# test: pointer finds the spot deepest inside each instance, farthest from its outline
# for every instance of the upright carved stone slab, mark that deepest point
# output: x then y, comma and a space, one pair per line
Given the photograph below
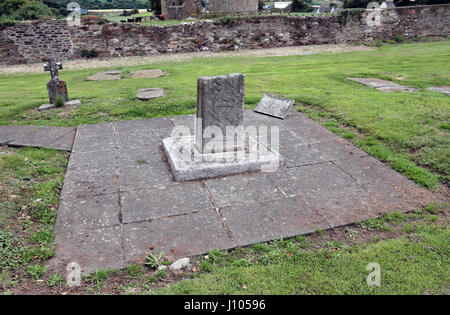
220, 105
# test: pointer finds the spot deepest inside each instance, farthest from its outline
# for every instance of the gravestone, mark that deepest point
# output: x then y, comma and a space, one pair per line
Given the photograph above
218, 147
220, 105
148, 94
55, 86
274, 106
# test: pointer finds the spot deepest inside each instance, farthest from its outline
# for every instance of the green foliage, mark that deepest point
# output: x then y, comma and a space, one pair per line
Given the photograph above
354, 14
25, 10
155, 6
55, 280
154, 260
9, 251
300, 6
37, 271
59, 100
89, 53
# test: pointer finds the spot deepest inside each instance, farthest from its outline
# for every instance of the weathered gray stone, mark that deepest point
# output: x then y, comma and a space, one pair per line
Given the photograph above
148, 94
187, 163
106, 76
176, 237
43, 137
311, 179
164, 201
103, 212
180, 264
46, 106
338, 149
274, 106
271, 220
50, 106
441, 89
72, 103
245, 189
383, 85
131, 189
147, 74
220, 105
56, 87
10, 133
92, 250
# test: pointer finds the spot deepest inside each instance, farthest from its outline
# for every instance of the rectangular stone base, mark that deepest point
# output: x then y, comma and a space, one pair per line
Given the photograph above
187, 163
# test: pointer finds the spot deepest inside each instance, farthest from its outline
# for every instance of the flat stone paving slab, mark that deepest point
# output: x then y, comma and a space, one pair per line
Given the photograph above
147, 74
60, 138
10, 133
441, 89
148, 94
383, 85
106, 76
119, 200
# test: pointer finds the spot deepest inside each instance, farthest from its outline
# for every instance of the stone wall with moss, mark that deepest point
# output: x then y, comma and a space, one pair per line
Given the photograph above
34, 42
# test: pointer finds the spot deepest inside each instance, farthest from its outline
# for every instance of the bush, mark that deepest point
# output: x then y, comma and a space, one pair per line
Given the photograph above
88, 54
59, 101
300, 6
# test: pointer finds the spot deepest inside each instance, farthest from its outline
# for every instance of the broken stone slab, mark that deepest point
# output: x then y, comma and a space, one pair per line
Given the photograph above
440, 89
180, 264
274, 106
106, 76
68, 103
383, 85
147, 74
148, 94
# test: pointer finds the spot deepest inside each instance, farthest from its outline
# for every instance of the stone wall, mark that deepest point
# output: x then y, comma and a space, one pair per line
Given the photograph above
220, 6
179, 9
33, 42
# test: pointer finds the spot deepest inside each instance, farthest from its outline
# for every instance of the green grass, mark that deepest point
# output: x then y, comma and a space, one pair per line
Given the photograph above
30, 182
412, 264
409, 128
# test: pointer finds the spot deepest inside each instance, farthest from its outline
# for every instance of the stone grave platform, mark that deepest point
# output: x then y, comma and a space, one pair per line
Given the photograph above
119, 200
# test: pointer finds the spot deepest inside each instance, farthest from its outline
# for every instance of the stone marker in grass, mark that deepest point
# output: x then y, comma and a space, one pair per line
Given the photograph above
220, 146
55, 86
148, 94
57, 89
274, 106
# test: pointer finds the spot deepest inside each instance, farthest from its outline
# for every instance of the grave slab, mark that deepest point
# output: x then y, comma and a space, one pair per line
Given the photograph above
441, 89
72, 215
176, 237
44, 137
92, 250
274, 106
164, 201
147, 74
106, 76
152, 212
148, 94
261, 222
235, 190
383, 85
10, 133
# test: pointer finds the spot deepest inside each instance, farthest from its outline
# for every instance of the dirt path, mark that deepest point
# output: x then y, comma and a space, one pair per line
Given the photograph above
135, 60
